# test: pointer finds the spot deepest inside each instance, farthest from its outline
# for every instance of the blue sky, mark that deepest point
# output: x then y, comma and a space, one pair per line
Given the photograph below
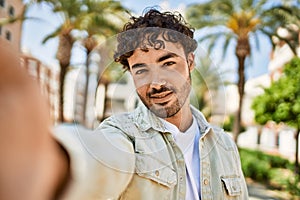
34, 31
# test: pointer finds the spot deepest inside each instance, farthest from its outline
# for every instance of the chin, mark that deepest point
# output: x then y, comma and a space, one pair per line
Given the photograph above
164, 111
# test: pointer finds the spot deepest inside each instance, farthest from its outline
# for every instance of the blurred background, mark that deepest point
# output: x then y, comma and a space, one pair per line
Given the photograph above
247, 77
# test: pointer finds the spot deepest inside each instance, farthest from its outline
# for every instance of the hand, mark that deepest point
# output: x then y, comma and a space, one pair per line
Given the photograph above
31, 161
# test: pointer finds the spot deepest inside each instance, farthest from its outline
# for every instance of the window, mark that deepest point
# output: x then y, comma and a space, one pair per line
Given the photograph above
8, 35
11, 11
2, 3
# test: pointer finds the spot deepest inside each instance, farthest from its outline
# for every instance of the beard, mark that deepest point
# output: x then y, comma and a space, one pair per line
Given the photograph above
168, 109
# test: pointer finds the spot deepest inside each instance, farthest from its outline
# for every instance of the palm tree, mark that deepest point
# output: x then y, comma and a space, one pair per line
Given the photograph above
97, 19
239, 21
292, 25
101, 19
68, 10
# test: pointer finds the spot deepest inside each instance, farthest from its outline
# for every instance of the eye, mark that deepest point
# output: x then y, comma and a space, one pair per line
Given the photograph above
141, 71
169, 63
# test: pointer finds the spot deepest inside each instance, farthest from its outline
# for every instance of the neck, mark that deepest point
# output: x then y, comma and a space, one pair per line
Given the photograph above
183, 119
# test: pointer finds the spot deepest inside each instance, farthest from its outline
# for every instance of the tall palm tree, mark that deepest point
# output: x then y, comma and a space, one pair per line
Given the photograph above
239, 21
68, 11
101, 19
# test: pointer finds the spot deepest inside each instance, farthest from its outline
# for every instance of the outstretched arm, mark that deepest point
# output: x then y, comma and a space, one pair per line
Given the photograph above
71, 162
33, 166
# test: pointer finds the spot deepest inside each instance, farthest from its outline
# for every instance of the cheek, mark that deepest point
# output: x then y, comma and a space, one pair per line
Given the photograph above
142, 89
178, 77
141, 83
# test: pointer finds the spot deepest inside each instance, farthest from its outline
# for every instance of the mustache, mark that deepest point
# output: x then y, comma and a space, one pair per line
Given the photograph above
163, 88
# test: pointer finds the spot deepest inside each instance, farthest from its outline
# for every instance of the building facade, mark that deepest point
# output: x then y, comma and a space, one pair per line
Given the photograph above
11, 32
47, 79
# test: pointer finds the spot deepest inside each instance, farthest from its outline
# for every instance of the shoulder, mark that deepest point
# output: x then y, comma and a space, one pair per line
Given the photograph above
120, 124
224, 138
216, 133
118, 121
138, 118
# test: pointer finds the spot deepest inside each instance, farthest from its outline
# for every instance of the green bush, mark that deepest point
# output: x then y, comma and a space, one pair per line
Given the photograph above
255, 165
278, 162
286, 180
272, 170
293, 185
273, 160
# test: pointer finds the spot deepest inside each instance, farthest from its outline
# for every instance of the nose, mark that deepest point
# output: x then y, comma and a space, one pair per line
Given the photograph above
157, 81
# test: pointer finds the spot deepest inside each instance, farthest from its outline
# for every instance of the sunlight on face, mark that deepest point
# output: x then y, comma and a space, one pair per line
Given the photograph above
162, 78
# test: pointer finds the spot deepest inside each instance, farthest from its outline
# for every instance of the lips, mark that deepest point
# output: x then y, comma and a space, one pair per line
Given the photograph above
162, 97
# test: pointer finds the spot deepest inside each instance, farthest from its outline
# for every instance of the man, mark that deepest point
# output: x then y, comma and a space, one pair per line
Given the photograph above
178, 154
164, 149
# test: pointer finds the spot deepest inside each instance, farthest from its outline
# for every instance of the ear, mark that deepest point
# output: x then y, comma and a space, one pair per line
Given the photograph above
191, 61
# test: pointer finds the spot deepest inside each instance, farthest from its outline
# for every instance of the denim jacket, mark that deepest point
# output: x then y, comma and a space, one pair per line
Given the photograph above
131, 156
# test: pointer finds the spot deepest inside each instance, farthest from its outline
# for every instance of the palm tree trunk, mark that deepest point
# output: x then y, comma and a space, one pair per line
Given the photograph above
63, 71
242, 51
90, 44
63, 55
241, 84
86, 87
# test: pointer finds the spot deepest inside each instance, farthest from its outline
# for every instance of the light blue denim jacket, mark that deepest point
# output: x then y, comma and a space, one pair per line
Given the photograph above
159, 168
131, 156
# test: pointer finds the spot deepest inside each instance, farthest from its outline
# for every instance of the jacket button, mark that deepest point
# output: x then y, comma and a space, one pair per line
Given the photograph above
205, 181
181, 178
156, 173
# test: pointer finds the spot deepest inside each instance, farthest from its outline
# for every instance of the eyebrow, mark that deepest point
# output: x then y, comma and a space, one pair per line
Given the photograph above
138, 65
166, 56
162, 58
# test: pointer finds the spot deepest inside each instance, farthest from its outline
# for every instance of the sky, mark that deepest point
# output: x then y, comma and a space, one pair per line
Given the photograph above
35, 30
44, 22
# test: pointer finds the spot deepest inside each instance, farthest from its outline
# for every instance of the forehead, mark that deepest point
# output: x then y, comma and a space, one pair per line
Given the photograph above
150, 54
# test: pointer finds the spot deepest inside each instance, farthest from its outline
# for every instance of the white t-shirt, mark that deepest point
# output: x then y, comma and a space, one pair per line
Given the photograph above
188, 142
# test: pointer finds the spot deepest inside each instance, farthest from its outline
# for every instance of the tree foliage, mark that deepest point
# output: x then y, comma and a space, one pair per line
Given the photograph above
97, 19
238, 22
281, 101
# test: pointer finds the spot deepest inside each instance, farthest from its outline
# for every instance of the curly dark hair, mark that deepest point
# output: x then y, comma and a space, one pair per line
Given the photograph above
145, 31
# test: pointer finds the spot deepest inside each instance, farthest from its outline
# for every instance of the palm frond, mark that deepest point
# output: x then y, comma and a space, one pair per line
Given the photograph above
52, 35
208, 14
256, 40
228, 38
213, 38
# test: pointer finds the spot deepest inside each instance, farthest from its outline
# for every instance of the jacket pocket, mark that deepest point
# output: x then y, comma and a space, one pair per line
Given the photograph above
151, 168
232, 185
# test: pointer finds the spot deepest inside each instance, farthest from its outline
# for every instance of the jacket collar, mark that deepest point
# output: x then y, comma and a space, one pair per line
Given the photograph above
204, 126
145, 119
